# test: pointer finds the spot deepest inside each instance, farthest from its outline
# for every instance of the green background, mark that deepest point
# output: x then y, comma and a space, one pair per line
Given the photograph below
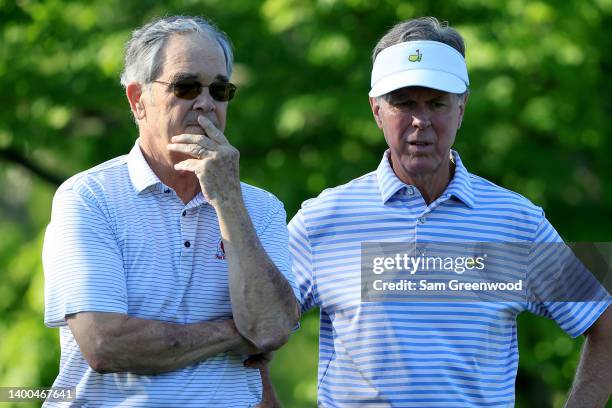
537, 122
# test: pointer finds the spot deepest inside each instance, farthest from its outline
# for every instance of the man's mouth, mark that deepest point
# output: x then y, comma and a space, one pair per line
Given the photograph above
418, 143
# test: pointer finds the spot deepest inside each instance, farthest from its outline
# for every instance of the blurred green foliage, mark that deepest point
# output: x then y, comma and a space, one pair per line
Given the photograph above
537, 122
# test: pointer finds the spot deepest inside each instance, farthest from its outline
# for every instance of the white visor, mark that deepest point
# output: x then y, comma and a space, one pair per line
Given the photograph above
430, 64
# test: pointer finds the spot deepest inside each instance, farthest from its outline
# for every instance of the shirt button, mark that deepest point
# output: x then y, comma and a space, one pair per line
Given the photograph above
167, 191
421, 220
410, 190
184, 213
187, 244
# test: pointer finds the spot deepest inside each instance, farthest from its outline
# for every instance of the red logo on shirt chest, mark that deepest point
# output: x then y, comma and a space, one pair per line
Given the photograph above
220, 250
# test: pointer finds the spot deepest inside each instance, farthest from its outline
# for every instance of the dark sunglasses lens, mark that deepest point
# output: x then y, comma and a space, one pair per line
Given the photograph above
187, 90
222, 91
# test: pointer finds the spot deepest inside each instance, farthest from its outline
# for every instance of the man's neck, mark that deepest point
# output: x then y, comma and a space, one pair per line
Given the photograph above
184, 183
431, 185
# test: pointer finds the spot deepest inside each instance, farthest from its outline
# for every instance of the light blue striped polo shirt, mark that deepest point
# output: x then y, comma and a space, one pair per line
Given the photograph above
121, 241
416, 354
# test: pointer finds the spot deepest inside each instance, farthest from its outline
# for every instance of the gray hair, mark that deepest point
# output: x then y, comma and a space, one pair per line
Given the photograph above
142, 52
423, 28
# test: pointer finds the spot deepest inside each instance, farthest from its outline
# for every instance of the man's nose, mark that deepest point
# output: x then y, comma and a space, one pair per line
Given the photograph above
421, 119
204, 101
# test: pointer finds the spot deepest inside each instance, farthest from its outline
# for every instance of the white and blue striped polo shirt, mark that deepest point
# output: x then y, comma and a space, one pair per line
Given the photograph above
121, 241
415, 354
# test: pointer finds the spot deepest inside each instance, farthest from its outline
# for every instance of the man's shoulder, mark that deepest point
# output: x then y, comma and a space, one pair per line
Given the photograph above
488, 194
359, 189
96, 180
253, 193
260, 203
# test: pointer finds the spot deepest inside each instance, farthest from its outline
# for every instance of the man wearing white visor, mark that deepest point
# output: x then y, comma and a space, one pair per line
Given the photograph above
424, 353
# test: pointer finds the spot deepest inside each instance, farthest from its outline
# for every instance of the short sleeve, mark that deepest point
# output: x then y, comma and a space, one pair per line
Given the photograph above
82, 262
559, 286
274, 240
301, 254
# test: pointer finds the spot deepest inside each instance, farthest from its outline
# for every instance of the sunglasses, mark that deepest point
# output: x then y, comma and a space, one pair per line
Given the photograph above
189, 89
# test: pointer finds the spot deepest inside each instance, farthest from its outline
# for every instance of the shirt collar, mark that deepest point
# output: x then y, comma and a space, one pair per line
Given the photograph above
459, 187
140, 172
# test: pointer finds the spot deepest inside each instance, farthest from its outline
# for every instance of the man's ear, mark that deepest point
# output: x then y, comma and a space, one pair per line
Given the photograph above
135, 97
376, 111
462, 103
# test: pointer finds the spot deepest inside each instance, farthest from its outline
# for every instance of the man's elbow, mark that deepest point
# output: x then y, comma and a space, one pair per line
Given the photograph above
98, 337
285, 327
99, 365
99, 356
270, 341
273, 336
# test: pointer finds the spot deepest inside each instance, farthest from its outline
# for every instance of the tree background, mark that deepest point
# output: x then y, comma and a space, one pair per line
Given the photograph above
537, 122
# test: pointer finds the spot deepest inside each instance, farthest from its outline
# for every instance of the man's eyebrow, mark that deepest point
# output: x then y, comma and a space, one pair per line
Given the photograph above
398, 97
181, 76
445, 95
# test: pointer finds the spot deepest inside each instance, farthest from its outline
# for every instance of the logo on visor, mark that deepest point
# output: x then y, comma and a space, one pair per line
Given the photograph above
415, 57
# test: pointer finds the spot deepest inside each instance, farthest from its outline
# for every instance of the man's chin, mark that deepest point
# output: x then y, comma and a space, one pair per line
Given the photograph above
419, 165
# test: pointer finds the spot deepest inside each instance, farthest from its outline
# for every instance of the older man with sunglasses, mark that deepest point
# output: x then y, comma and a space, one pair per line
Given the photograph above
170, 280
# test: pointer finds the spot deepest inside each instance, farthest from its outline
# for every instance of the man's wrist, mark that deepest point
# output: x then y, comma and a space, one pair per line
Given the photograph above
231, 205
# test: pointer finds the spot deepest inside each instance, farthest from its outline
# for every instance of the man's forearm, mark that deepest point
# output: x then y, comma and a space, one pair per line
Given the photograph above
113, 342
593, 381
269, 398
263, 304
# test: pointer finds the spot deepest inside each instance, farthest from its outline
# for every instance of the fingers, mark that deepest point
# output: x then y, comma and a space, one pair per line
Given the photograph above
254, 363
187, 165
201, 140
267, 356
258, 360
195, 150
210, 129
210, 139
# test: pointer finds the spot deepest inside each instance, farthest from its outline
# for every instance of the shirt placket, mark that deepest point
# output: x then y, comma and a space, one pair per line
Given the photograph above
418, 210
423, 219
189, 221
